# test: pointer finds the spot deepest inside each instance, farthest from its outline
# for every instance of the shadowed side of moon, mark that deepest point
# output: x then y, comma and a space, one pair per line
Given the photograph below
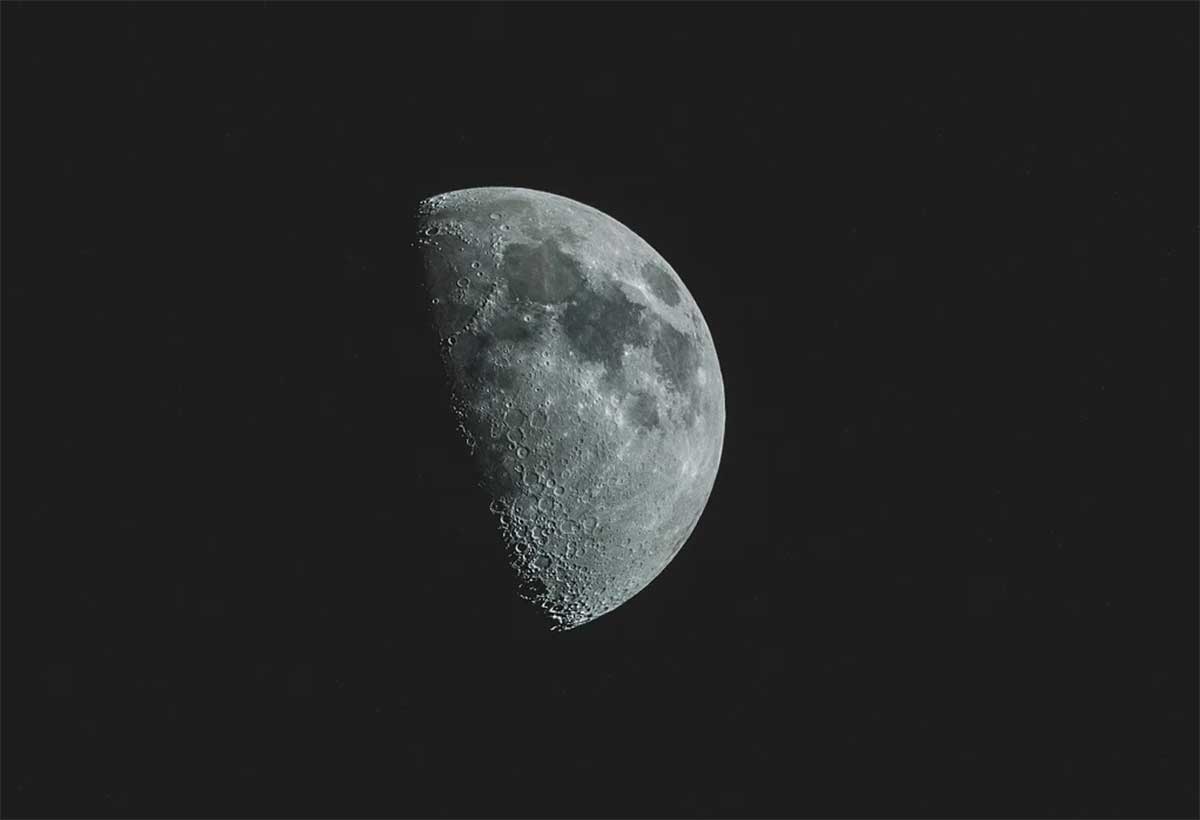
586, 383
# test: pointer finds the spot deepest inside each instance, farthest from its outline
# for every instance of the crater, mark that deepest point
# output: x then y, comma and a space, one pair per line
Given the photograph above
481, 368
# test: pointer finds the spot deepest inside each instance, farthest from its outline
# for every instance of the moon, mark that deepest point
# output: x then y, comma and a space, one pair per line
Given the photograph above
585, 383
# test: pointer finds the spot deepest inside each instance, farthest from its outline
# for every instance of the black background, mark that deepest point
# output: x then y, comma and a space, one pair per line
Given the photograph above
948, 254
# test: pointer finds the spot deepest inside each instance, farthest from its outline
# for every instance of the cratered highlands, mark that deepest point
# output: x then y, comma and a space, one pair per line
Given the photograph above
586, 384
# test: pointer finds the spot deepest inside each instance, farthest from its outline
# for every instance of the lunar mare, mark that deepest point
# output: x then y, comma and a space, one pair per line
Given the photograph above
586, 384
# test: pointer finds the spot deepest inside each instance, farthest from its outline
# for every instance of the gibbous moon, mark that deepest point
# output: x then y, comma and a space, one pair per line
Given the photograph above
586, 384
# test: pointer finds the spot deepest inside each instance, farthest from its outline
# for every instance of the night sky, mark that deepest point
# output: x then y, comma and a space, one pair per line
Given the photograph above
948, 256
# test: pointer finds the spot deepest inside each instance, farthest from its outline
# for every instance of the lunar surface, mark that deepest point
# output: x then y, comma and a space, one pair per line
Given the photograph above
586, 385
